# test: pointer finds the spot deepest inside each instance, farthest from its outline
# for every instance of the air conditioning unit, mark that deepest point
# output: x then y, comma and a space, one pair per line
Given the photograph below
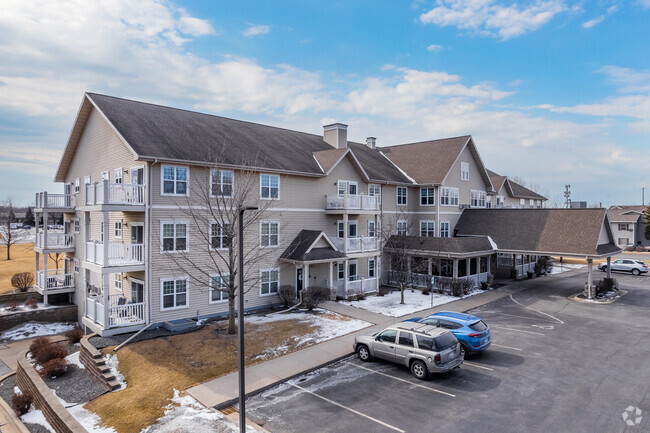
464, 206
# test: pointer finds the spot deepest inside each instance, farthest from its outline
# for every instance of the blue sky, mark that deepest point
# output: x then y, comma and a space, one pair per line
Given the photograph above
555, 92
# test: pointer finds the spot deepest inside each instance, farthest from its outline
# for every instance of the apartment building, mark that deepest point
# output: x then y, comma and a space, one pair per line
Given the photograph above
143, 243
628, 225
510, 194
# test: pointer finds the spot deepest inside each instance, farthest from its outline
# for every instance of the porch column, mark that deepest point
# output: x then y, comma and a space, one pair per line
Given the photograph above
45, 218
45, 259
345, 233
429, 262
609, 267
455, 272
106, 238
468, 267
331, 280
489, 260
590, 278
38, 257
305, 277
107, 308
346, 273
478, 266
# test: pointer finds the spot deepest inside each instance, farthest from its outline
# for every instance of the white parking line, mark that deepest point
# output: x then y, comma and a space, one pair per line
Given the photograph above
348, 409
405, 381
537, 311
471, 364
518, 330
521, 317
506, 347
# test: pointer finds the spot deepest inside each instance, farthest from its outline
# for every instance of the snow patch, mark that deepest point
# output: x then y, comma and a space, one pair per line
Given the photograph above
74, 359
89, 420
35, 416
414, 301
112, 363
30, 330
558, 269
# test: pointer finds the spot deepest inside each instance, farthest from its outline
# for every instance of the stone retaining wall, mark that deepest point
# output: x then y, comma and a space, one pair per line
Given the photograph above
20, 297
95, 365
67, 313
28, 380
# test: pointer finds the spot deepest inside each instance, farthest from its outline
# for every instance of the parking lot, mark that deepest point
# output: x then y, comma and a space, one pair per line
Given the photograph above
554, 366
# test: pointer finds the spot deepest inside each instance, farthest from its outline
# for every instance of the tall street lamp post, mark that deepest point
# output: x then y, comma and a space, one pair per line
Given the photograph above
240, 318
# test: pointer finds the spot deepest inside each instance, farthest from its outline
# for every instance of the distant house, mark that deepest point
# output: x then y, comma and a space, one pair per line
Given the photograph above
510, 194
628, 225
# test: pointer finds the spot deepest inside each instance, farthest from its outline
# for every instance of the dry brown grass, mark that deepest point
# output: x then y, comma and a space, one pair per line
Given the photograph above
154, 368
22, 260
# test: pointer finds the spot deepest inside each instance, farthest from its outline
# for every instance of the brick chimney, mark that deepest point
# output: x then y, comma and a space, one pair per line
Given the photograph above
371, 142
336, 135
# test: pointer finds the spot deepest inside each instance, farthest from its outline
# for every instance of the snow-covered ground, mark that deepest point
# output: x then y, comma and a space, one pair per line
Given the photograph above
557, 269
329, 325
112, 363
23, 307
389, 304
29, 330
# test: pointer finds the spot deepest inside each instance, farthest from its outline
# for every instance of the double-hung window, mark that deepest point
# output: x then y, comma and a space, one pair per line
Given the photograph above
221, 183
76, 185
402, 228
101, 231
269, 234
174, 236
371, 268
269, 281
427, 196
464, 171
340, 271
117, 174
269, 186
448, 196
118, 229
118, 281
428, 228
372, 232
219, 288
174, 180
340, 229
174, 293
75, 264
444, 229
347, 187
76, 225
477, 198
219, 235
374, 190
402, 195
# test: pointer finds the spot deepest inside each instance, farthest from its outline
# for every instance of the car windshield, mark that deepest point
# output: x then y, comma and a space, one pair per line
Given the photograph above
445, 341
478, 326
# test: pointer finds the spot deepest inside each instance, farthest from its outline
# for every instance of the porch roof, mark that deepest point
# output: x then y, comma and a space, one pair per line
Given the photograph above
303, 248
443, 247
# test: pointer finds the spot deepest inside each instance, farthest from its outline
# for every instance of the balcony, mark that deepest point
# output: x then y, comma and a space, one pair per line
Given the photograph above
356, 245
356, 287
53, 201
106, 193
350, 202
54, 281
55, 241
118, 254
118, 313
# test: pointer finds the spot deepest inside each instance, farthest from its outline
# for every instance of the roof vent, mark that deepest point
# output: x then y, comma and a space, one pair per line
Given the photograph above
336, 135
371, 142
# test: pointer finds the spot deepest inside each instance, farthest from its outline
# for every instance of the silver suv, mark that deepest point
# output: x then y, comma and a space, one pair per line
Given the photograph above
626, 265
423, 348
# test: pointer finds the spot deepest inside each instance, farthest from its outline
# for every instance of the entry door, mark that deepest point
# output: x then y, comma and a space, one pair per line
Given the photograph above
137, 234
352, 271
137, 291
137, 175
299, 279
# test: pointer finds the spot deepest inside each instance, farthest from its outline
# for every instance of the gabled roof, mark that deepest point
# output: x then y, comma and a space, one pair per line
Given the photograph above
329, 158
497, 180
625, 214
446, 246
429, 162
302, 248
570, 232
376, 166
513, 188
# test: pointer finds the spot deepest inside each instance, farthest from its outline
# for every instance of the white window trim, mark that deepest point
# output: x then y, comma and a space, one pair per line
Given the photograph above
464, 169
162, 181
221, 223
377, 196
434, 196
115, 223
187, 236
118, 173
210, 301
232, 186
338, 272
356, 224
260, 286
397, 196
279, 189
76, 224
448, 229
356, 265
375, 229
269, 222
101, 232
347, 186
118, 280
428, 222
75, 265
77, 186
187, 293
338, 229
374, 267
106, 176
86, 180
397, 227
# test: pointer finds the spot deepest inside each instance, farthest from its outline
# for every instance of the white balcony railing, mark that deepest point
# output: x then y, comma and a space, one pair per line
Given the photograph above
351, 202
361, 285
437, 282
356, 245
54, 240
54, 279
118, 254
53, 201
119, 311
114, 193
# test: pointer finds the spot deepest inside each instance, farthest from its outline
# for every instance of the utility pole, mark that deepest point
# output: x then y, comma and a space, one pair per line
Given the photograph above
643, 195
567, 195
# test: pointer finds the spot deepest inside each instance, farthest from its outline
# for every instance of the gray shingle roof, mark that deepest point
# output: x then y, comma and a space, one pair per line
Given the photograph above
497, 180
298, 249
519, 191
625, 214
377, 167
459, 245
560, 231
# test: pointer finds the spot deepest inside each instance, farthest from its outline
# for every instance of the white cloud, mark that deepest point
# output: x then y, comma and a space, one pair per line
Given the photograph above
612, 9
487, 18
645, 3
589, 24
256, 30
435, 48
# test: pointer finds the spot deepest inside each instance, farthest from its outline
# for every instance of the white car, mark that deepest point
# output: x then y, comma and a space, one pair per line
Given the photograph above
636, 267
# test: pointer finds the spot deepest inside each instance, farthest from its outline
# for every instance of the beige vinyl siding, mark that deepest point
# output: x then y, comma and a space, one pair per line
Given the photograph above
476, 180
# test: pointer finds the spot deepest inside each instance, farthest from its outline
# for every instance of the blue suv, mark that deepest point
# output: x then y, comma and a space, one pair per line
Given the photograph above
472, 333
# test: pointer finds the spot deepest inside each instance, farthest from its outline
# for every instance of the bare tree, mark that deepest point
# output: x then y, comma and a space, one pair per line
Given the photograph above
395, 231
212, 208
9, 235
56, 258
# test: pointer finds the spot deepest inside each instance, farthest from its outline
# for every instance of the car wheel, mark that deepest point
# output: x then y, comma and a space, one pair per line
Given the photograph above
464, 351
364, 353
635, 272
419, 369
604, 269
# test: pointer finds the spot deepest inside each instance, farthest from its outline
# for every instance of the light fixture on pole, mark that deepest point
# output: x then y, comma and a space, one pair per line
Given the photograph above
240, 319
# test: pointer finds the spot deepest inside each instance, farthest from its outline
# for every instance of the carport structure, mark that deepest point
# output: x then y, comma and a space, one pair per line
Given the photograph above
580, 233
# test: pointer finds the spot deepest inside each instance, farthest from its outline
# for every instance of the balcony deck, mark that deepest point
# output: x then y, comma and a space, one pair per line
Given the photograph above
118, 254
356, 245
116, 315
54, 281
350, 203
123, 195
56, 241
53, 202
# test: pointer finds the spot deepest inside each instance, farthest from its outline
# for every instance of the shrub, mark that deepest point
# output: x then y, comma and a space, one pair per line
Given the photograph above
313, 296
426, 291
287, 293
22, 281
54, 367
31, 302
605, 285
21, 402
50, 352
74, 335
38, 345
361, 296
460, 287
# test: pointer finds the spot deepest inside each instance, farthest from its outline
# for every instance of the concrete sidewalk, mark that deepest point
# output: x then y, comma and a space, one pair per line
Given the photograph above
224, 391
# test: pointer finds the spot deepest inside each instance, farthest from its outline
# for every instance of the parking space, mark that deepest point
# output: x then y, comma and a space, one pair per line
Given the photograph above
554, 365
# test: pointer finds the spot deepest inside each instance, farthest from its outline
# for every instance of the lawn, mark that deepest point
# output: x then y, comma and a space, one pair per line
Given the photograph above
154, 368
22, 260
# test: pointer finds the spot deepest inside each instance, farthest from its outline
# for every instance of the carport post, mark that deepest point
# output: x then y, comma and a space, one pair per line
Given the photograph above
609, 267
590, 278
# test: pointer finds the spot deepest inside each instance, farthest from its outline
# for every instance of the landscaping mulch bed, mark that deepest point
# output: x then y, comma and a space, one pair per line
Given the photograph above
6, 391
